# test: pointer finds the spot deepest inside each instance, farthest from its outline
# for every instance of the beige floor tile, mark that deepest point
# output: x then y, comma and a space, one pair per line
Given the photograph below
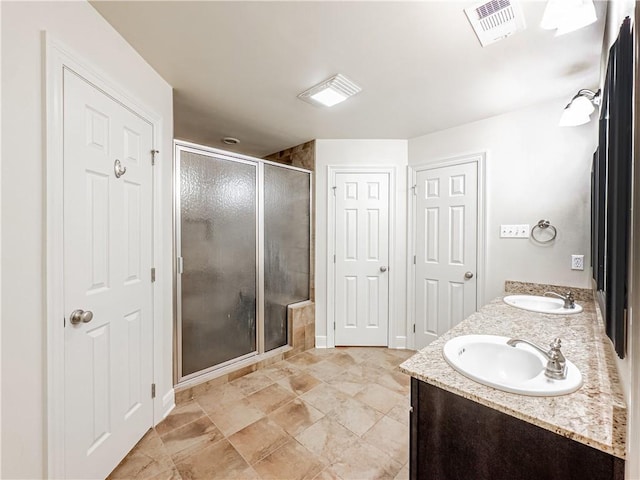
218, 396
403, 354
355, 415
395, 380
291, 462
378, 397
403, 474
327, 439
270, 398
253, 382
259, 439
300, 383
327, 474
193, 436
304, 359
364, 461
171, 474
390, 436
324, 397
281, 370
342, 359
349, 383
296, 416
233, 417
325, 370
181, 415
400, 413
217, 461
147, 459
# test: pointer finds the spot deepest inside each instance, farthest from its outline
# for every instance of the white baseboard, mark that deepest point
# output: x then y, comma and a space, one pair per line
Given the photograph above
400, 343
321, 341
168, 403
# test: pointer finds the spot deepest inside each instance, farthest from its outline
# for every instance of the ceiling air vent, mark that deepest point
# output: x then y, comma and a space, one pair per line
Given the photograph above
495, 20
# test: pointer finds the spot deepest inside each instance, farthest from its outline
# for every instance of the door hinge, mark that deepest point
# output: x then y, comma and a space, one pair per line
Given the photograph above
64, 322
334, 325
415, 189
334, 190
414, 259
153, 390
414, 328
153, 156
153, 275
334, 258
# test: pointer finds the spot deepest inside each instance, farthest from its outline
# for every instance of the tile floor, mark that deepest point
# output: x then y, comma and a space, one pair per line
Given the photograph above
323, 414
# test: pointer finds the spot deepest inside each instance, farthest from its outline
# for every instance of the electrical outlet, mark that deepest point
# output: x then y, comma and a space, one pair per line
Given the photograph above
514, 231
577, 262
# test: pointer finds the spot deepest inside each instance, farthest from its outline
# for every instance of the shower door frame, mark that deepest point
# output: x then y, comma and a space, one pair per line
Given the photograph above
258, 354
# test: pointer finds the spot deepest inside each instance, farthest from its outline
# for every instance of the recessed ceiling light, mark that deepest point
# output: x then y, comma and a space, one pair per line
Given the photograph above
230, 141
566, 16
331, 91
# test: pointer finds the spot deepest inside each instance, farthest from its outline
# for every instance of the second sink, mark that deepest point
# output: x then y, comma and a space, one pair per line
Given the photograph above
533, 303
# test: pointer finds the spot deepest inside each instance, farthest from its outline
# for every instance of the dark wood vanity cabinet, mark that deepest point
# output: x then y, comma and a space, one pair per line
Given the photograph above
455, 438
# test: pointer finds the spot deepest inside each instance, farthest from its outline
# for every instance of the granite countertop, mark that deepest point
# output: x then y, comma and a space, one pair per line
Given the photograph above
595, 415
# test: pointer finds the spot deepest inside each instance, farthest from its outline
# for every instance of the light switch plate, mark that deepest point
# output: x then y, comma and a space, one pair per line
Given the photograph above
514, 231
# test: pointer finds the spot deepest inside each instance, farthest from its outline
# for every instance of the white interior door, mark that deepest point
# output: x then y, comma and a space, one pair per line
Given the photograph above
107, 267
361, 259
446, 207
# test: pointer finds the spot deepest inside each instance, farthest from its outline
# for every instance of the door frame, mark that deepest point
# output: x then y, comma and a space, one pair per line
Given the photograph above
331, 271
480, 160
57, 58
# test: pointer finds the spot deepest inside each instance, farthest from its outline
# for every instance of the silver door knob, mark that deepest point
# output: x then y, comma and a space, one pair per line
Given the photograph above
383, 269
80, 316
468, 275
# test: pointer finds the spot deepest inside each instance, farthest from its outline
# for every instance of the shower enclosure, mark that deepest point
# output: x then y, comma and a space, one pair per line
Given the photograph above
242, 245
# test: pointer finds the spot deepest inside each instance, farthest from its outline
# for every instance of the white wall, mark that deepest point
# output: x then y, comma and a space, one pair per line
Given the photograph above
391, 153
534, 170
23, 354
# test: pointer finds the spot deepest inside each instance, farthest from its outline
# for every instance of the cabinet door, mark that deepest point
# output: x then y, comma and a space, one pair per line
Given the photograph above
453, 438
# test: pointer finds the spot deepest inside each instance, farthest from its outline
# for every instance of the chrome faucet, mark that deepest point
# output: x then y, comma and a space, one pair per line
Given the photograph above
556, 363
569, 301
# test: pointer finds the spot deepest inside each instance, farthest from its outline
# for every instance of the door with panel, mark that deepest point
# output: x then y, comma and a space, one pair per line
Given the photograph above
446, 211
107, 279
361, 259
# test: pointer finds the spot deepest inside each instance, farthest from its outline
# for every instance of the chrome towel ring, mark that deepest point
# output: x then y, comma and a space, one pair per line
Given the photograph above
544, 225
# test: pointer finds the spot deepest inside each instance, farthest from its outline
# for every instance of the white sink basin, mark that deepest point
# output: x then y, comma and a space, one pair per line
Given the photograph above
533, 303
488, 359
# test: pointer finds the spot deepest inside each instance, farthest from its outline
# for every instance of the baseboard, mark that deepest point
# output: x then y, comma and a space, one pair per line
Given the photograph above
168, 403
400, 343
321, 341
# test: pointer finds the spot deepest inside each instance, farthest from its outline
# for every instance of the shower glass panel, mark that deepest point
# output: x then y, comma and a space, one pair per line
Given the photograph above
286, 247
218, 232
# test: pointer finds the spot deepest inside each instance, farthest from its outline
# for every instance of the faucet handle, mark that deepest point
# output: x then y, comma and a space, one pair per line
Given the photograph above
556, 344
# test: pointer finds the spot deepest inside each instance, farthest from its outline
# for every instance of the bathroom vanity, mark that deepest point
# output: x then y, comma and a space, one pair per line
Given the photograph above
461, 429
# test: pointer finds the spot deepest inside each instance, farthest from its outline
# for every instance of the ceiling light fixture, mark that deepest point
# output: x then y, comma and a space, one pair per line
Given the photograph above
331, 91
230, 141
566, 16
580, 108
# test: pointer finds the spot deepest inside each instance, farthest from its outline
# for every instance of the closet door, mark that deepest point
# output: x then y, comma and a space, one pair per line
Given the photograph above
218, 250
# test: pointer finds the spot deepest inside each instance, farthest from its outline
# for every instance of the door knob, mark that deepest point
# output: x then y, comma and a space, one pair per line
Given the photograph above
383, 269
468, 275
80, 316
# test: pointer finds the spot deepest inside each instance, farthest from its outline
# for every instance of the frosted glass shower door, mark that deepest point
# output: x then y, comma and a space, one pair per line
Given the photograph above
217, 243
287, 220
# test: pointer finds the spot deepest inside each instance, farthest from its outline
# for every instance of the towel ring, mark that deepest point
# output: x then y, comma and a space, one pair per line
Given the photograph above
543, 225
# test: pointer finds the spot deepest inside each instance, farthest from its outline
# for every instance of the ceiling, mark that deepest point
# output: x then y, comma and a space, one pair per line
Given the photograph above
237, 67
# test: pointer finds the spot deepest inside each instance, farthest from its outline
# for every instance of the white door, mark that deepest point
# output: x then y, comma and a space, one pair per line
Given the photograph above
361, 258
446, 201
107, 262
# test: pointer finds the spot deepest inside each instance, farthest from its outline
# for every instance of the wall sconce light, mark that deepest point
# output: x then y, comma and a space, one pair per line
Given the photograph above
331, 91
580, 108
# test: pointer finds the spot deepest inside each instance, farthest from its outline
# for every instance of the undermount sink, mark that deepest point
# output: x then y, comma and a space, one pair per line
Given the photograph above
488, 359
533, 303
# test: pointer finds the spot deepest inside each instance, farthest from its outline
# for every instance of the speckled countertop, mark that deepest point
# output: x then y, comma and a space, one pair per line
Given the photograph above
595, 415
